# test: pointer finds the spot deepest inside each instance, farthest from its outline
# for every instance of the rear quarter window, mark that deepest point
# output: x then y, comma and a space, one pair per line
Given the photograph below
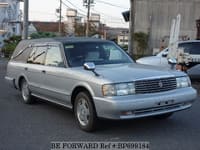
22, 51
23, 56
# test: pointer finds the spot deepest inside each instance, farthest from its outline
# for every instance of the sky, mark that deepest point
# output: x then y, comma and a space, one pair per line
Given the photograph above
110, 11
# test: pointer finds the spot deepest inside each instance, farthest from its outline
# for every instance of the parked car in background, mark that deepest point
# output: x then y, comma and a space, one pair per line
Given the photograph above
158, 60
96, 79
190, 47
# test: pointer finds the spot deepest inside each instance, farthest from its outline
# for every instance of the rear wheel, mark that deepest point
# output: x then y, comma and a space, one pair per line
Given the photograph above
85, 112
25, 92
164, 116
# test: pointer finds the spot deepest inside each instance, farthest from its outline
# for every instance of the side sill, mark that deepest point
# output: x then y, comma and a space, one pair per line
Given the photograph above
51, 100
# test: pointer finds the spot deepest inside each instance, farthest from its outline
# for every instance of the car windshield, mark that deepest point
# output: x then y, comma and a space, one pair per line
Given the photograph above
100, 53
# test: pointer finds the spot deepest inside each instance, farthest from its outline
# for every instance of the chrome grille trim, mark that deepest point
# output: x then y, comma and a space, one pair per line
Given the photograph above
155, 85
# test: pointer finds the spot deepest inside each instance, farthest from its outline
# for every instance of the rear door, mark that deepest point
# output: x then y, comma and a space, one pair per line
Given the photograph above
34, 69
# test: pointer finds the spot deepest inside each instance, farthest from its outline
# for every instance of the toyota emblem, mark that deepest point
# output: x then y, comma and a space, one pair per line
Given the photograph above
160, 84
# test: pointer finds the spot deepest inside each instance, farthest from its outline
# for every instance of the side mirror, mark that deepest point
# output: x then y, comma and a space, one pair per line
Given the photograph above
165, 54
89, 66
172, 61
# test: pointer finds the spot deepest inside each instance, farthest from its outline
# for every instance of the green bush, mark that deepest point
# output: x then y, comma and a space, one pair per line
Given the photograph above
124, 47
141, 43
10, 45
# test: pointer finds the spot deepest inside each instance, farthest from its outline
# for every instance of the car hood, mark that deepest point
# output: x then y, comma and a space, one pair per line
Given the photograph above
132, 72
150, 60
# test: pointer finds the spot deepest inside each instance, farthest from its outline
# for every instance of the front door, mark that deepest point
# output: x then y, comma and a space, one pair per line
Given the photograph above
55, 83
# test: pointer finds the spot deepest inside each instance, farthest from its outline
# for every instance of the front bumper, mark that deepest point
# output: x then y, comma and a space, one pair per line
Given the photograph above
143, 105
10, 81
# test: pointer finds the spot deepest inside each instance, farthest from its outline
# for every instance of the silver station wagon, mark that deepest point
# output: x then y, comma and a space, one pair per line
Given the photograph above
96, 79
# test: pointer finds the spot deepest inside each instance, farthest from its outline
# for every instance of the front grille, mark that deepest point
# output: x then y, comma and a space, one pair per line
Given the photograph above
155, 85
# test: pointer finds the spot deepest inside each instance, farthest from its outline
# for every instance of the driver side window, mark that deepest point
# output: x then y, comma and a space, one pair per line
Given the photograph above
54, 57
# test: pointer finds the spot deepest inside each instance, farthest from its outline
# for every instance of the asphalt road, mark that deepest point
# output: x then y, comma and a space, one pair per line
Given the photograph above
34, 127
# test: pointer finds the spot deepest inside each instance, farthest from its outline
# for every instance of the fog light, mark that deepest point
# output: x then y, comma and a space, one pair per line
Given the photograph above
126, 113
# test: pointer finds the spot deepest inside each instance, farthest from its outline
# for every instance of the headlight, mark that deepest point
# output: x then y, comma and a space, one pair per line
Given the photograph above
183, 82
118, 89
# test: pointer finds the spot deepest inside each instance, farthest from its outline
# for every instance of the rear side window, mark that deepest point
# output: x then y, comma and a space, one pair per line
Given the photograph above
37, 55
192, 48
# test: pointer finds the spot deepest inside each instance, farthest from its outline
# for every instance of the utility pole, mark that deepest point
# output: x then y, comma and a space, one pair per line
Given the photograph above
60, 19
87, 4
131, 49
198, 29
25, 22
88, 19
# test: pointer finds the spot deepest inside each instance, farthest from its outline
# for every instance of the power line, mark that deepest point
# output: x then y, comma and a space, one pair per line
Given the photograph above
110, 4
104, 15
108, 16
76, 7
42, 12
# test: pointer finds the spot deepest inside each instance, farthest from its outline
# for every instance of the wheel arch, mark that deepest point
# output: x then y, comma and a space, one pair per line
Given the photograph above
81, 88
18, 82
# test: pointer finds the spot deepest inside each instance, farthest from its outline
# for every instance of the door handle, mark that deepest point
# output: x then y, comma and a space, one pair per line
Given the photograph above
26, 68
43, 71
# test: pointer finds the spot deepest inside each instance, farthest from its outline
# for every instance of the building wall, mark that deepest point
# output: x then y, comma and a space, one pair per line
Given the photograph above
71, 20
155, 17
95, 20
9, 15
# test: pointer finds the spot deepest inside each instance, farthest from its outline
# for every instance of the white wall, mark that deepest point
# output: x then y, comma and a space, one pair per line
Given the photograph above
155, 16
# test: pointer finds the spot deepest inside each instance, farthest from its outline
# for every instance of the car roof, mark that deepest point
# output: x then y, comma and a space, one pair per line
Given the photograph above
64, 40
189, 41
28, 43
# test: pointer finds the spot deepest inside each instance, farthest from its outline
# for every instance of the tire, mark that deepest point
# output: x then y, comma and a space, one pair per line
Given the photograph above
84, 112
25, 92
164, 116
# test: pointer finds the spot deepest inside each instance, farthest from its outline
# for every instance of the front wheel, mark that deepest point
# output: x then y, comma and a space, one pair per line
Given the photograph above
85, 112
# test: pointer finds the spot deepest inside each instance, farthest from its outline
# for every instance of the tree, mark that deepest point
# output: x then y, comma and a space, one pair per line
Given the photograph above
42, 35
80, 29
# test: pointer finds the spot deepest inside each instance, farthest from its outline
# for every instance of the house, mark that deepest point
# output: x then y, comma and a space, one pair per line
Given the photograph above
10, 19
42, 26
